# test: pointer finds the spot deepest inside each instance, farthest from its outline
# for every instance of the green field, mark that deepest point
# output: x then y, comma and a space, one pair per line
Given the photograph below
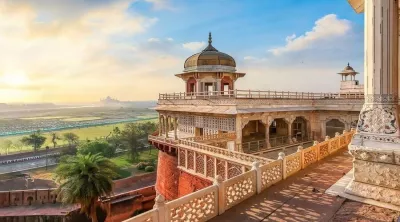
44, 117
76, 119
83, 133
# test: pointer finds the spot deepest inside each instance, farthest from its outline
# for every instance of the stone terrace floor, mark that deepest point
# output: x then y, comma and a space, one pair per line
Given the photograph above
302, 197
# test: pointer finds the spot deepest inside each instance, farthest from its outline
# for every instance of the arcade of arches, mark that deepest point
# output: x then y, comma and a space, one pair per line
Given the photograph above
272, 130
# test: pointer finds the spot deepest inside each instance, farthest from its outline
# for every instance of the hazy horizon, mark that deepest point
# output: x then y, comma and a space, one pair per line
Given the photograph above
80, 51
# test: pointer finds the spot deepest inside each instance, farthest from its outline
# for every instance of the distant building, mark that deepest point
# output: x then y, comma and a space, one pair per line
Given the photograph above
351, 86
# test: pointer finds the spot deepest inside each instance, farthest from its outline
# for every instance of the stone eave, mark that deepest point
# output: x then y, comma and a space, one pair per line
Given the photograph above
357, 5
180, 75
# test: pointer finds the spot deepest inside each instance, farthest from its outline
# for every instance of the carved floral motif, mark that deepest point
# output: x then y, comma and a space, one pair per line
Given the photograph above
310, 156
324, 150
381, 174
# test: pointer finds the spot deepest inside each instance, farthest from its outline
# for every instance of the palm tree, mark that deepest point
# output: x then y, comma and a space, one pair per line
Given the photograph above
36, 140
84, 179
54, 138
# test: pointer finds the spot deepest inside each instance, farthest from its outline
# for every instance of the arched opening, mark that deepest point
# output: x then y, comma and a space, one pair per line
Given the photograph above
253, 136
299, 129
278, 132
226, 84
29, 199
333, 126
191, 85
254, 130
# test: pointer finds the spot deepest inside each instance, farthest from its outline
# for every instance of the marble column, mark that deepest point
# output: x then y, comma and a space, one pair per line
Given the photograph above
376, 144
159, 125
176, 128
167, 126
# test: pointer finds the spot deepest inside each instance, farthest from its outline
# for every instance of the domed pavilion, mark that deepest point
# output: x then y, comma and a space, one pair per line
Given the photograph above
210, 72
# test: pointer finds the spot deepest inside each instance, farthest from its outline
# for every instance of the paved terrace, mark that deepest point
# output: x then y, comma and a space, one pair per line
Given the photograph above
248, 101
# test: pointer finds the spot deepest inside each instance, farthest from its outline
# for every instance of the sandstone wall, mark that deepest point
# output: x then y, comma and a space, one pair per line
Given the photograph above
189, 183
167, 176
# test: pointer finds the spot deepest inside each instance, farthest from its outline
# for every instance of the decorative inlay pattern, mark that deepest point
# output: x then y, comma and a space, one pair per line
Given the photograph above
271, 173
378, 120
197, 209
381, 98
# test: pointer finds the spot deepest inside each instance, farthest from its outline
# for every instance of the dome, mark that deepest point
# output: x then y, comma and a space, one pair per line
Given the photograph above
348, 70
209, 56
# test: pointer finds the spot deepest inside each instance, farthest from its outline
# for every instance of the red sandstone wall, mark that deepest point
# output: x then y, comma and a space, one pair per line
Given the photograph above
167, 176
189, 183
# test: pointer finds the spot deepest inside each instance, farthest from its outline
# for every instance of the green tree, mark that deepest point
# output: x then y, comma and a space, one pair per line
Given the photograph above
36, 140
6, 145
130, 136
100, 146
54, 138
71, 138
83, 180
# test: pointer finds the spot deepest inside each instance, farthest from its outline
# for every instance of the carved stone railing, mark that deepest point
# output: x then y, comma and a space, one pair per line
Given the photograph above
208, 165
209, 202
260, 146
148, 216
233, 155
257, 94
225, 136
162, 139
238, 189
199, 206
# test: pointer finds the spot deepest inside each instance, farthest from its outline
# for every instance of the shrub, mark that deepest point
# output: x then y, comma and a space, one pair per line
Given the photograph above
141, 166
149, 169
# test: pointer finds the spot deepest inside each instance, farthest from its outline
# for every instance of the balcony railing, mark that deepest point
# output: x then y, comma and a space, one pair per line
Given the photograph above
260, 145
257, 94
214, 200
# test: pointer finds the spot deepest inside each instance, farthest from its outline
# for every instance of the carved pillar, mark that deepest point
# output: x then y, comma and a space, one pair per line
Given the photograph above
167, 126
238, 133
267, 123
376, 144
159, 125
176, 127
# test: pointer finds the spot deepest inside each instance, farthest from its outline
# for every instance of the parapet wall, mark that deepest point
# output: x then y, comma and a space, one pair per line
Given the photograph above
27, 197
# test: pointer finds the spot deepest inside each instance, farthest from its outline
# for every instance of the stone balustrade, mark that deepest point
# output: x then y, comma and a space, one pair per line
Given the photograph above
257, 94
227, 192
222, 136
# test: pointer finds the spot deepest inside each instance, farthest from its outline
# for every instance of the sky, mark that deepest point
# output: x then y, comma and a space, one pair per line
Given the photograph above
84, 50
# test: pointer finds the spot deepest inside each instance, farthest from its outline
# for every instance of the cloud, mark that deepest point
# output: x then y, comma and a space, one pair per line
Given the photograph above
307, 63
327, 27
81, 56
194, 46
160, 4
153, 40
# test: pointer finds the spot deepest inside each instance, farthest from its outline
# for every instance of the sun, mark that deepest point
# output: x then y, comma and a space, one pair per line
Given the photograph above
14, 78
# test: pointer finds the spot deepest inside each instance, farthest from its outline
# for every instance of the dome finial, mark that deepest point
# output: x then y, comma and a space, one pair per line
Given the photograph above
209, 38
348, 64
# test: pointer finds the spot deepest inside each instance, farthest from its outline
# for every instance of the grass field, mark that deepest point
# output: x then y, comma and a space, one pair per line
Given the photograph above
45, 117
76, 119
83, 133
